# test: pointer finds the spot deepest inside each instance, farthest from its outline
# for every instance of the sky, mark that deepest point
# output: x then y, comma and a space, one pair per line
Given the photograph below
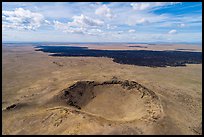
102, 22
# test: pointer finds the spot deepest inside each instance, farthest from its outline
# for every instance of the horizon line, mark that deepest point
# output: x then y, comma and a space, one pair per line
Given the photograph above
4, 42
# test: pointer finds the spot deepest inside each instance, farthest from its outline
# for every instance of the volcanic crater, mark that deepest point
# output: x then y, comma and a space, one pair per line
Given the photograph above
113, 100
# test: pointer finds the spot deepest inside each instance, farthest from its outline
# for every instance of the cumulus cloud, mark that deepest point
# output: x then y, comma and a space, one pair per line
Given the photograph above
173, 31
81, 25
85, 21
22, 19
150, 5
104, 11
65, 27
131, 31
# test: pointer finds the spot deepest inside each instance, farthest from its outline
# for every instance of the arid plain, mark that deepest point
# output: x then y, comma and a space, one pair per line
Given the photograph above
168, 100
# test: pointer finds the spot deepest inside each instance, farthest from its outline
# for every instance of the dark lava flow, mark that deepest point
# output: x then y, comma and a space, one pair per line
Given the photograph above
132, 57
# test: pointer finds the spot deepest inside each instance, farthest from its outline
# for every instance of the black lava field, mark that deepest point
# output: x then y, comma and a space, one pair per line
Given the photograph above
132, 57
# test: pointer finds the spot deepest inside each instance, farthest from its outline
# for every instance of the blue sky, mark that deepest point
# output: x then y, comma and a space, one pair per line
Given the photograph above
102, 22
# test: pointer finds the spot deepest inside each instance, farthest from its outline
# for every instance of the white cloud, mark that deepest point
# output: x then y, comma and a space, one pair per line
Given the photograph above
150, 5
22, 19
65, 27
75, 30
104, 11
81, 25
84, 21
173, 31
142, 21
131, 31
94, 32
140, 6
182, 25
111, 27
59, 25
132, 20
